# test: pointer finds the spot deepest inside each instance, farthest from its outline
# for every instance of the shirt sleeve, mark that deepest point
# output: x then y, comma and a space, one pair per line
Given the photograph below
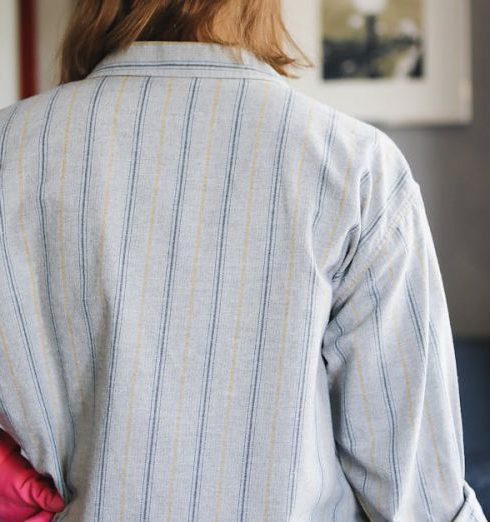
392, 376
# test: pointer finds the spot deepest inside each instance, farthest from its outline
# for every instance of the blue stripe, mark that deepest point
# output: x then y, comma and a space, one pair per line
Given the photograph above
296, 443
6, 419
416, 323
158, 377
459, 448
364, 178
325, 169
120, 290
423, 486
345, 406
404, 178
378, 328
23, 323
424, 344
414, 315
219, 263
82, 221
43, 168
262, 319
312, 289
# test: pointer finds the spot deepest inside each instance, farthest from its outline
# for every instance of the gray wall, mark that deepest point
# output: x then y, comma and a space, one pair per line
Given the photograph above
452, 166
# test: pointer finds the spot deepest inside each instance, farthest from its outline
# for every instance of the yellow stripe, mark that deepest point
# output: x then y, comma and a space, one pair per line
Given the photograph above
61, 240
190, 306
142, 309
285, 320
241, 293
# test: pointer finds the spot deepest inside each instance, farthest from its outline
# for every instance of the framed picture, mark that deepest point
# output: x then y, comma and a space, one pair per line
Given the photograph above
392, 62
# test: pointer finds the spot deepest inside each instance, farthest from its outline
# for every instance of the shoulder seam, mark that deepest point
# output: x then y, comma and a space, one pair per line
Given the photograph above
353, 279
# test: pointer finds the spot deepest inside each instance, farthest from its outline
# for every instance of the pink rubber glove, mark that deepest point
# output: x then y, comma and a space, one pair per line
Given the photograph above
25, 494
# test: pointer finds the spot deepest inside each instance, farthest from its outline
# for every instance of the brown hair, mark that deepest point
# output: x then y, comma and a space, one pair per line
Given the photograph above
99, 27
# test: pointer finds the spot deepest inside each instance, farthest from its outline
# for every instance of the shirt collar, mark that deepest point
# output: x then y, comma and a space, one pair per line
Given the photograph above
183, 59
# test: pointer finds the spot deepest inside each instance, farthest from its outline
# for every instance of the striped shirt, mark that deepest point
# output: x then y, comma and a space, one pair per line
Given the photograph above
221, 302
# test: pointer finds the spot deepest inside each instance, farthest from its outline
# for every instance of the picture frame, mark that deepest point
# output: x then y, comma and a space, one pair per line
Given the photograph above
442, 96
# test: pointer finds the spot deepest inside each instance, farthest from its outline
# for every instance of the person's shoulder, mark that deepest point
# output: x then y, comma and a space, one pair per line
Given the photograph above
348, 131
367, 178
9, 127
26, 116
7, 112
351, 144
35, 104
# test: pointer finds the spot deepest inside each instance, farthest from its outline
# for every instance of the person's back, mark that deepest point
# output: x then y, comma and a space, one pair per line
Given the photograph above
221, 301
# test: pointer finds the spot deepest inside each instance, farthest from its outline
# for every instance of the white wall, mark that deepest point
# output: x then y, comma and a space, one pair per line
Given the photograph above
9, 51
52, 17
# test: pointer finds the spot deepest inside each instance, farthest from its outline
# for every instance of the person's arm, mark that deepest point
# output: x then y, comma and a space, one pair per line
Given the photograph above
392, 376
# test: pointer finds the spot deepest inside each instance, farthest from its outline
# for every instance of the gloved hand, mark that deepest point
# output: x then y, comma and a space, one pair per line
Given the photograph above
25, 494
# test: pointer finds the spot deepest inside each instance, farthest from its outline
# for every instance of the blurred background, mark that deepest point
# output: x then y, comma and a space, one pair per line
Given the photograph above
451, 164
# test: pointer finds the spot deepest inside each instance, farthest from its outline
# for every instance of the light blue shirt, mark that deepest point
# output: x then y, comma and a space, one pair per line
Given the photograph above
220, 300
